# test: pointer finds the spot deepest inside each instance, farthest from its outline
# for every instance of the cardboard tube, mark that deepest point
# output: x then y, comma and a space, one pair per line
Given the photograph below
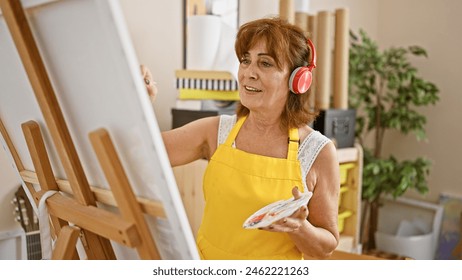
301, 20
311, 27
195, 7
203, 41
324, 60
341, 58
286, 10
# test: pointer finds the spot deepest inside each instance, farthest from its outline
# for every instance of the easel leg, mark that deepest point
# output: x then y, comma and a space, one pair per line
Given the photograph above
16, 159
123, 194
40, 159
42, 165
65, 243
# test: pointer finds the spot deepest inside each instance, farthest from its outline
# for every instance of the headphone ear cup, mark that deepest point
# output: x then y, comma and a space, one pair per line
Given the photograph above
300, 80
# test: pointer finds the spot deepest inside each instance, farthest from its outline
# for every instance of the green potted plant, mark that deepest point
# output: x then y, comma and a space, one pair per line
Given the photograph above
386, 91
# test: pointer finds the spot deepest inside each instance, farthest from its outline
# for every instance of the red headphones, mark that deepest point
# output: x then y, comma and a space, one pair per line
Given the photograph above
301, 78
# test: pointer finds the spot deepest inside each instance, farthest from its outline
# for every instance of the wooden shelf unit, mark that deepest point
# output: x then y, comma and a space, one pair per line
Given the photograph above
351, 164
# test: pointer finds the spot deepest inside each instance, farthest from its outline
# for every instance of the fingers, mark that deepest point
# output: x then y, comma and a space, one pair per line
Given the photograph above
296, 193
302, 212
285, 225
146, 74
149, 82
145, 71
290, 224
280, 228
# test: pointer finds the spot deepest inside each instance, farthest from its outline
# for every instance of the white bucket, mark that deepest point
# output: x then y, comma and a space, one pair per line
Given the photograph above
419, 247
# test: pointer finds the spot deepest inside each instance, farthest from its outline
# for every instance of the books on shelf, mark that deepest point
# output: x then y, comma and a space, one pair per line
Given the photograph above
200, 84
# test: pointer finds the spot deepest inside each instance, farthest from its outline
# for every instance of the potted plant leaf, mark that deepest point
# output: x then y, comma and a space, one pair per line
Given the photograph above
386, 91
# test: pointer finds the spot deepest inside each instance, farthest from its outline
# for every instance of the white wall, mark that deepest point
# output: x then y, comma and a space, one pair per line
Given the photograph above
363, 13
434, 25
250, 10
157, 34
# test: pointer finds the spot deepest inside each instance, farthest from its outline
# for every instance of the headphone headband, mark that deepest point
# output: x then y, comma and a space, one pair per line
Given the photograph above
301, 78
312, 63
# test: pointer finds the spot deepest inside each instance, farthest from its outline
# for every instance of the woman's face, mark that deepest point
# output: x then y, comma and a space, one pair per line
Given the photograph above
263, 87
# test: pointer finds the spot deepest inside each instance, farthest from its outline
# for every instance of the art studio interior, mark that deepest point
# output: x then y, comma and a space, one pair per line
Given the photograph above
82, 149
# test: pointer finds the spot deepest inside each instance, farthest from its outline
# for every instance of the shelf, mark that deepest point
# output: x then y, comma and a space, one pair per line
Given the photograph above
349, 154
351, 163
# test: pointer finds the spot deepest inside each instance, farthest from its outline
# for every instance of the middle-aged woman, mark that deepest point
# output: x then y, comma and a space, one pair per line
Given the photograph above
265, 153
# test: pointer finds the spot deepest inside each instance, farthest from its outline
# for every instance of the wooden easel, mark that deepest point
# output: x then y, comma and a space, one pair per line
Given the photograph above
77, 216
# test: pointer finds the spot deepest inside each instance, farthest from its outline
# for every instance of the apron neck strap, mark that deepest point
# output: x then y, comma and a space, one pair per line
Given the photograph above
294, 138
234, 131
294, 141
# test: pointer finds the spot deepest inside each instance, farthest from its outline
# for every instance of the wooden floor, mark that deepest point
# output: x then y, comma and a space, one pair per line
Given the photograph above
369, 255
340, 255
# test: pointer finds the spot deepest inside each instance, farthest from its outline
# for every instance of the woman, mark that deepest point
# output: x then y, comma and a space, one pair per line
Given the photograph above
251, 161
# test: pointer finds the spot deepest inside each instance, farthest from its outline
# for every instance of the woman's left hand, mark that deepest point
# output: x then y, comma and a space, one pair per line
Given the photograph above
292, 223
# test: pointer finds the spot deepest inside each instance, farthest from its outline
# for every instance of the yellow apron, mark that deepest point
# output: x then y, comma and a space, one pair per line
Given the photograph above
237, 184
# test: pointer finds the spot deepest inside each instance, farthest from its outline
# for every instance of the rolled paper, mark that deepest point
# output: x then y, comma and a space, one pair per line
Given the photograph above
203, 38
324, 60
341, 58
302, 5
311, 27
225, 58
301, 20
286, 10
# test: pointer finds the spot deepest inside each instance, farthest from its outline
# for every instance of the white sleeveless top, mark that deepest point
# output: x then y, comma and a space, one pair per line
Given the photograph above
307, 151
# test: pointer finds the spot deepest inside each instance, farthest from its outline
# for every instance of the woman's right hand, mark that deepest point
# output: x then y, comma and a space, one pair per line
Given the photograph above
149, 82
294, 222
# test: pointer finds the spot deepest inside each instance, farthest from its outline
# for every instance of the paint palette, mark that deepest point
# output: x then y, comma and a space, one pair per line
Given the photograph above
276, 211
